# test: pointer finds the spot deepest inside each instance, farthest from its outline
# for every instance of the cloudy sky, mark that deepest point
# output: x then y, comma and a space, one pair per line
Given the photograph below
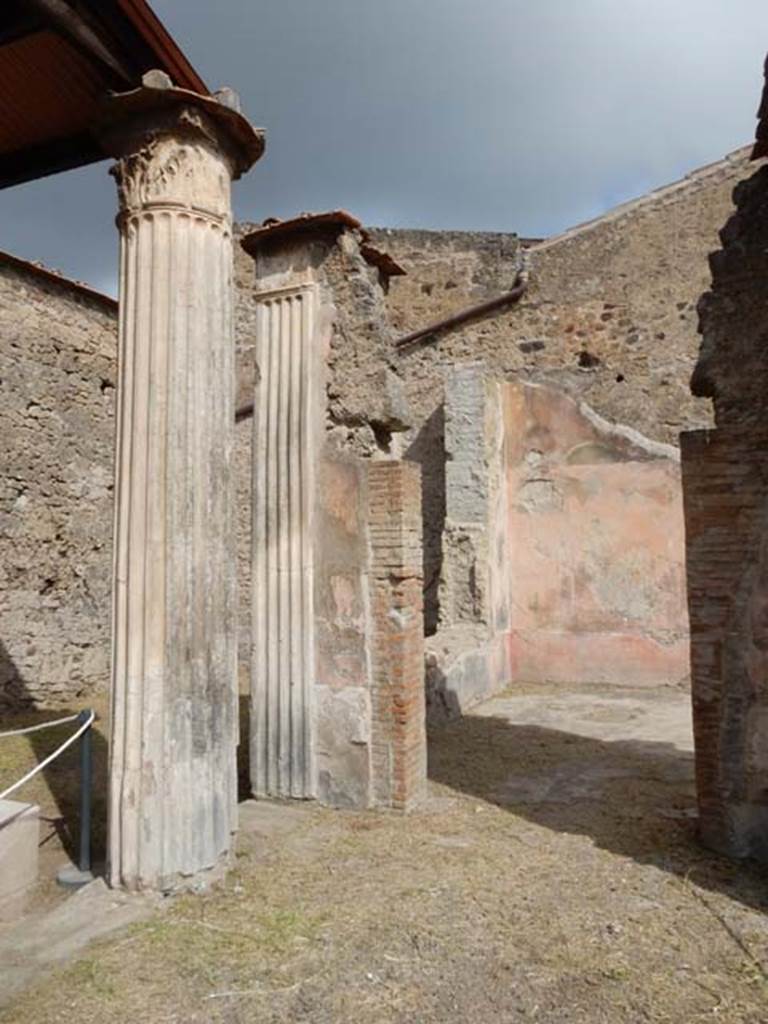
505, 115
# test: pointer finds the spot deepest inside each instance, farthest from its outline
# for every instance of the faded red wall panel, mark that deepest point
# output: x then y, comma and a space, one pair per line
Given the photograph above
596, 547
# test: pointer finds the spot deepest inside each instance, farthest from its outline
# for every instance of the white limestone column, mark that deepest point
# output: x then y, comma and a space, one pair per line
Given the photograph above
173, 783
286, 435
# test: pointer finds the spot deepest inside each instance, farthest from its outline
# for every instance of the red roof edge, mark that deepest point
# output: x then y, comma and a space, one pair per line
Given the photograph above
66, 283
333, 221
147, 23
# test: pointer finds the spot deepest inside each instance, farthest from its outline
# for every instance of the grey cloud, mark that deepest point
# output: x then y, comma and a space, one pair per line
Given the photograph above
487, 114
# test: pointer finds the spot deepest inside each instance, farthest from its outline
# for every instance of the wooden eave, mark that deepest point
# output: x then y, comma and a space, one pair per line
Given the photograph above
59, 59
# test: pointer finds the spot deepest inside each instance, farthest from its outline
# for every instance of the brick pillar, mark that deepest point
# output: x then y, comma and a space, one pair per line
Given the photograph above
398, 738
725, 487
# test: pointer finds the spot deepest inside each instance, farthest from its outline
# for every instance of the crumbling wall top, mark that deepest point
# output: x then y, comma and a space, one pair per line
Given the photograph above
274, 232
761, 143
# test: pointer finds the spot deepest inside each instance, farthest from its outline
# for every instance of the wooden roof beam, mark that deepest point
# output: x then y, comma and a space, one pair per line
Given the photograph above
60, 16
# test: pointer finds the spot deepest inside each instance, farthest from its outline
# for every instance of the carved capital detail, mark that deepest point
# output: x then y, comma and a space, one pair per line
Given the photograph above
173, 160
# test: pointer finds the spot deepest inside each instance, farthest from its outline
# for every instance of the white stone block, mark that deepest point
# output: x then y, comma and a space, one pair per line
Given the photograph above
19, 842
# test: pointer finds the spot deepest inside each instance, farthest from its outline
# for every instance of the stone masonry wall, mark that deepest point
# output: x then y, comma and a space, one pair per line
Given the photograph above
360, 540
725, 480
609, 317
467, 656
733, 363
58, 351
57, 391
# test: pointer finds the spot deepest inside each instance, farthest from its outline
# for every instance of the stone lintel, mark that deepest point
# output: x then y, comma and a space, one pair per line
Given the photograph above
19, 841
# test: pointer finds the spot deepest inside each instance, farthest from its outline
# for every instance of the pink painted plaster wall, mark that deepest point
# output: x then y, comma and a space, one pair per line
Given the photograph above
596, 550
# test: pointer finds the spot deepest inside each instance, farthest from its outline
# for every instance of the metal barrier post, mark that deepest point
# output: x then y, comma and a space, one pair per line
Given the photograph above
86, 773
72, 877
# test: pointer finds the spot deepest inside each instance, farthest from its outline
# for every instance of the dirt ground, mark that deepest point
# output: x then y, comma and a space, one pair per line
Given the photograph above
553, 876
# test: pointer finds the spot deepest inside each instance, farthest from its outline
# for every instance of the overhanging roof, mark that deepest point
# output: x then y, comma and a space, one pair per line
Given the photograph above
58, 61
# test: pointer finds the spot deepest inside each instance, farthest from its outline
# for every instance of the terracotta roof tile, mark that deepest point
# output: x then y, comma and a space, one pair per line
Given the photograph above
330, 222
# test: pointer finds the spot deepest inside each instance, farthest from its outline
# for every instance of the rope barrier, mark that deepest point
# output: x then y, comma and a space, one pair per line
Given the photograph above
42, 725
51, 757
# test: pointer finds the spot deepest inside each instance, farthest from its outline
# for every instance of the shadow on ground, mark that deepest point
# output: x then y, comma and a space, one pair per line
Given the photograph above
635, 799
57, 788
244, 750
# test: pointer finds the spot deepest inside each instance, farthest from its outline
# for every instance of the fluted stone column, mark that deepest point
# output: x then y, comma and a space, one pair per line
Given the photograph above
285, 449
173, 785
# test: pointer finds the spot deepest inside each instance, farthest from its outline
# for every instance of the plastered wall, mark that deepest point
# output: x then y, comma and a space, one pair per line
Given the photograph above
596, 547
563, 548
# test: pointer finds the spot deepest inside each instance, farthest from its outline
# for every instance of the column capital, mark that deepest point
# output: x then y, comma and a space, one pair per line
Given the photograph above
173, 146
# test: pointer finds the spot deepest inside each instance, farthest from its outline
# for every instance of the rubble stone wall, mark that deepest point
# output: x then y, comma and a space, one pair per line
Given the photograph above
58, 352
733, 362
57, 408
609, 315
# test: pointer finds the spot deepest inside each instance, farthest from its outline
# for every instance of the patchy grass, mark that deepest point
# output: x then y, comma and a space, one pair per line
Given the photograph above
56, 790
